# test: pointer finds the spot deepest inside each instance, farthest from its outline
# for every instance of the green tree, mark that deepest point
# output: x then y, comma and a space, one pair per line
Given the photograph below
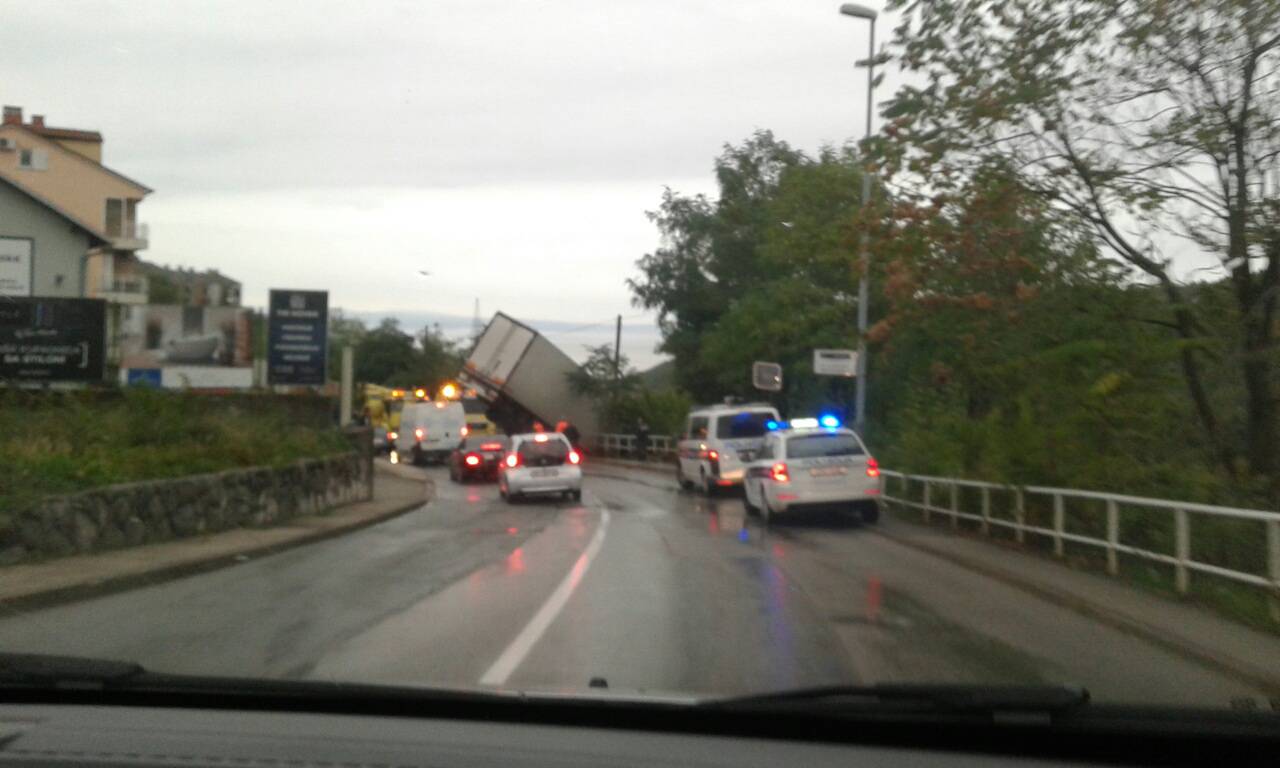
435, 359
385, 354
601, 377
709, 253
762, 272
1153, 124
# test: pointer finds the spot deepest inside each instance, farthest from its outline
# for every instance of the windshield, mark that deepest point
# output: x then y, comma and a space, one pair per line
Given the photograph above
535, 453
485, 443
822, 445
750, 424
271, 272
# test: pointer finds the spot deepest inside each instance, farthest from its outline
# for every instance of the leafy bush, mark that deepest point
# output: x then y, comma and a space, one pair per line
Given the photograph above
61, 442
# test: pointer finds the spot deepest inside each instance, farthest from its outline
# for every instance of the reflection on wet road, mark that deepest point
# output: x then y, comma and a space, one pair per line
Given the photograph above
641, 584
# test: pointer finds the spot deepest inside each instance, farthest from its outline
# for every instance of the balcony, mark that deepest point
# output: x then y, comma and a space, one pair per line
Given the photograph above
127, 236
126, 290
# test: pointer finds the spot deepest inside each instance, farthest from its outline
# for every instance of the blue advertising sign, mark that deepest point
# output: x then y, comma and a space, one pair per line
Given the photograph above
297, 337
143, 377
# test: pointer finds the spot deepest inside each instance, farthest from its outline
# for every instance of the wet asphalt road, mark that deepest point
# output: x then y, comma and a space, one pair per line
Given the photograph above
647, 587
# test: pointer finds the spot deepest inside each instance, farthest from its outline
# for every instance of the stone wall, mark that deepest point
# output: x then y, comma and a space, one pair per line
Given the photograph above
130, 514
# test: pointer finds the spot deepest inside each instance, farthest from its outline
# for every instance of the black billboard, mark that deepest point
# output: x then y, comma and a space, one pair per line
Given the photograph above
297, 337
46, 339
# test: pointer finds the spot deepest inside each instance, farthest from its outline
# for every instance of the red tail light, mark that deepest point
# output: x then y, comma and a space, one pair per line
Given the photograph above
713, 455
873, 467
574, 457
779, 473
472, 460
491, 447
513, 459
419, 433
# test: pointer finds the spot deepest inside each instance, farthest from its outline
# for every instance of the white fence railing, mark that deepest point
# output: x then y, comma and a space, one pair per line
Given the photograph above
1159, 530
661, 447
1241, 545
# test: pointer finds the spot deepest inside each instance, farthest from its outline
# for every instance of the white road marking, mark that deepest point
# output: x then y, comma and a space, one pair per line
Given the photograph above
515, 653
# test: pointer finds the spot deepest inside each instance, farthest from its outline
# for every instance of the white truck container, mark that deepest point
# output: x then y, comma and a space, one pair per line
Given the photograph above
525, 377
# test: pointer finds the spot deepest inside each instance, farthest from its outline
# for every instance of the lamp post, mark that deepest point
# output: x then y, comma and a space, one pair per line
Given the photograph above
860, 399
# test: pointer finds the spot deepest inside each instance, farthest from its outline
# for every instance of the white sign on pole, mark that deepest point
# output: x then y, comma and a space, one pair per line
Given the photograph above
766, 376
835, 362
15, 266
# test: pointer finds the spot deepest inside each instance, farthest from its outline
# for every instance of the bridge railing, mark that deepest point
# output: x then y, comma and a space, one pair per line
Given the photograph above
1240, 545
661, 447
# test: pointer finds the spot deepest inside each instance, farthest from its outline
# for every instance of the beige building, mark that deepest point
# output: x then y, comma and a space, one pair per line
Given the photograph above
62, 170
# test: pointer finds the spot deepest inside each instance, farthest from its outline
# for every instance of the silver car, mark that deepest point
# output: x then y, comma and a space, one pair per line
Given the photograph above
540, 463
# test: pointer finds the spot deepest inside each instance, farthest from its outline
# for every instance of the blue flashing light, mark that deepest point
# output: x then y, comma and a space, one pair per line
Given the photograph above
829, 421
771, 425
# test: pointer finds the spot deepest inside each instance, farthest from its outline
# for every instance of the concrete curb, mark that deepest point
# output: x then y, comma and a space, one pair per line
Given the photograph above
1268, 679
76, 592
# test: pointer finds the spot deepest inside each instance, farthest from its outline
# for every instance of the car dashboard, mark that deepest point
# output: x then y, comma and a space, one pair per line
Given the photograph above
60, 735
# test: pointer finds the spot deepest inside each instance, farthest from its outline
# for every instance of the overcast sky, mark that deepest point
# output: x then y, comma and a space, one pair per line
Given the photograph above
509, 148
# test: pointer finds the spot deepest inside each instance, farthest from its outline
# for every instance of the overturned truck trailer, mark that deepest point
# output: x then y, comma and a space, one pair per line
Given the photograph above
524, 378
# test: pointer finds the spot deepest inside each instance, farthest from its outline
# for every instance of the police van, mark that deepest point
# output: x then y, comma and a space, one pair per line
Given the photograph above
813, 464
719, 440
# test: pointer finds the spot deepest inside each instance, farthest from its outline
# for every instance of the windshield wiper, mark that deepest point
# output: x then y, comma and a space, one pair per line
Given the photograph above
909, 697
47, 671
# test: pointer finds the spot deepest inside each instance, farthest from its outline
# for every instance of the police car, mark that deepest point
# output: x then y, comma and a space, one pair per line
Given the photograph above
719, 441
812, 464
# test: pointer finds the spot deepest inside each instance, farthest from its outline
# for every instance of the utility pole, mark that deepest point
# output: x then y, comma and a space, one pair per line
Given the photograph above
346, 388
860, 394
617, 351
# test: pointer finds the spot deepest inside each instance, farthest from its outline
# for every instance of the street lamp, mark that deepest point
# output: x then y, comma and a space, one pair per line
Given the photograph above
860, 399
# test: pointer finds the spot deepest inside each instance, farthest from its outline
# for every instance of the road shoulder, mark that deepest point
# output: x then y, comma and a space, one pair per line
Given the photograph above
38, 585
1190, 631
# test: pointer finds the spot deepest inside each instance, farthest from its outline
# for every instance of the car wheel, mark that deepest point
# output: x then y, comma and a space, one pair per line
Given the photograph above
767, 517
684, 482
418, 459
870, 512
577, 495
746, 503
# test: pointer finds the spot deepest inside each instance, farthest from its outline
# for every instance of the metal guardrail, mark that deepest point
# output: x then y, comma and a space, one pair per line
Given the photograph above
1114, 523
661, 447
1111, 515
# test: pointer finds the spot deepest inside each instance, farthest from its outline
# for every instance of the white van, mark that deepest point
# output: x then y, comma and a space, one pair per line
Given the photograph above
429, 431
719, 441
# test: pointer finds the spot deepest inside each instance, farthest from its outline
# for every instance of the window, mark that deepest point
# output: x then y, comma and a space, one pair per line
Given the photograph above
811, 446
535, 454
698, 427
33, 159
115, 217
486, 443
745, 424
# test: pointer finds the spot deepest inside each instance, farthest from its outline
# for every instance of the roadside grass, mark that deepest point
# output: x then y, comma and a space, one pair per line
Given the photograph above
62, 442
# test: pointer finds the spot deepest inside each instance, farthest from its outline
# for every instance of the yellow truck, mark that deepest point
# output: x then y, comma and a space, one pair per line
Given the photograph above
382, 407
